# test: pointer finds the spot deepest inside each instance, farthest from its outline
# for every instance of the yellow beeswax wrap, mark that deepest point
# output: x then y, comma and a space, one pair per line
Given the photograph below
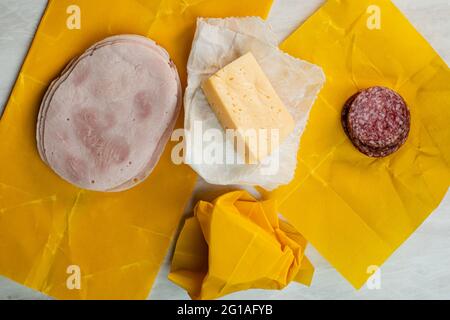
354, 209
52, 232
238, 243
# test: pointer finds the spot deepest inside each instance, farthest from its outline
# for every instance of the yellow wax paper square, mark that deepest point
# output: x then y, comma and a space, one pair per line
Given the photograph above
47, 226
238, 243
354, 209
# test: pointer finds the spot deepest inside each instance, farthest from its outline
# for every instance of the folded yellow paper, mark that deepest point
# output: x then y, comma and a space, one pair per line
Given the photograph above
238, 243
354, 209
75, 244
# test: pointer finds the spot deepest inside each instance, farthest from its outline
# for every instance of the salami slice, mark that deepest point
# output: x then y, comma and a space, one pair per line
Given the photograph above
345, 110
377, 121
105, 120
376, 152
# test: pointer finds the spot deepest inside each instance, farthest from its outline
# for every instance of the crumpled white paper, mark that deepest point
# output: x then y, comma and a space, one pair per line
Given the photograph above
217, 43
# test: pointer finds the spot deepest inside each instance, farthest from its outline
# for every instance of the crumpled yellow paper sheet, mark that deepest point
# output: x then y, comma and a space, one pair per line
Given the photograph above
50, 230
238, 243
354, 209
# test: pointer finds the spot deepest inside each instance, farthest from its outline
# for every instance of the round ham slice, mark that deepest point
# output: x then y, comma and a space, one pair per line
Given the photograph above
105, 121
70, 66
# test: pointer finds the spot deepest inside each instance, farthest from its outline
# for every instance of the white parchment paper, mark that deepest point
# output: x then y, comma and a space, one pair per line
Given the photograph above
218, 42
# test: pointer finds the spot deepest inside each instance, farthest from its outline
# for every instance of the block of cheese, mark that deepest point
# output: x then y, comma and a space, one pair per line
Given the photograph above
244, 100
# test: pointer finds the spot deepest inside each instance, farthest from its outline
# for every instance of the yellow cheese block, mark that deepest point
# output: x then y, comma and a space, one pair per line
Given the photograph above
244, 100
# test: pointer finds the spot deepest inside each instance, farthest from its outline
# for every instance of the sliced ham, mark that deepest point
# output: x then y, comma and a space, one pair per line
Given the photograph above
105, 121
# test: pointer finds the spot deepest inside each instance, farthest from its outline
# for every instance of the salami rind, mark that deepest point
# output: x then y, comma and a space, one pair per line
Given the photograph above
345, 110
377, 121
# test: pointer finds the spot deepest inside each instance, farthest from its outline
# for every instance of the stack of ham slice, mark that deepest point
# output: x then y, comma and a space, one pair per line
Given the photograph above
105, 121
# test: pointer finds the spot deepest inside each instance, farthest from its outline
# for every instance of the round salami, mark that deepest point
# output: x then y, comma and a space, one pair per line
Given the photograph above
377, 121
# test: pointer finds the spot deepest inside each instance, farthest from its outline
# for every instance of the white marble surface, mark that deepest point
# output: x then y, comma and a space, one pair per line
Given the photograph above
420, 269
